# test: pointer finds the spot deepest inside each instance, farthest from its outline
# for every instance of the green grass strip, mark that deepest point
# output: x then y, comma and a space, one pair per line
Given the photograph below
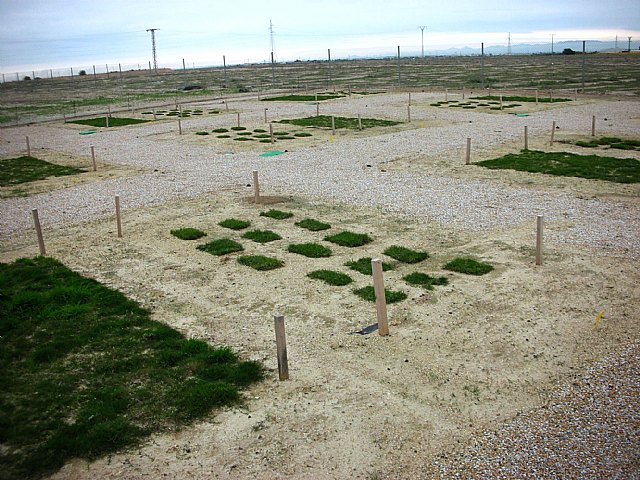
363, 265
332, 278
425, 281
301, 98
234, 223
324, 121
468, 266
113, 121
349, 239
86, 373
516, 98
405, 255
390, 296
221, 246
619, 170
277, 214
14, 171
311, 250
313, 225
262, 236
260, 262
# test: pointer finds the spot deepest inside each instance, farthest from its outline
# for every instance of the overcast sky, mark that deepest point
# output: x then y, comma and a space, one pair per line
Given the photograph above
43, 34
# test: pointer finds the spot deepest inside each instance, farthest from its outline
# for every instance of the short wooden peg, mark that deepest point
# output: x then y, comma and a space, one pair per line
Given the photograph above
93, 158
281, 347
36, 223
333, 125
409, 113
553, 132
539, 240
179, 127
381, 301
118, 220
468, 154
526, 137
256, 187
593, 126
28, 146
238, 114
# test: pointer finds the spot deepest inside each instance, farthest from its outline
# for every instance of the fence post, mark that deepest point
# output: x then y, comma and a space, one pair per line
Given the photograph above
281, 347
359, 122
28, 146
468, 154
256, 187
593, 126
179, 126
539, 240
381, 302
526, 137
238, 114
553, 132
409, 112
265, 115
271, 132
93, 158
118, 221
333, 125
36, 223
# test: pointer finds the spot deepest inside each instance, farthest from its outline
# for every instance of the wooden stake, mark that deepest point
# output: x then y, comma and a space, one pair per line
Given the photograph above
93, 158
36, 223
409, 100
317, 109
526, 137
106, 121
226, 105
256, 187
28, 146
468, 154
359, 122
463, 93
238, 119
500, 102
265, 115
118, 220
553, 132
179, 126
536, 96
409, 112
154, 115
446, 94
593, 126
271, 132
381, 302
539, 240
333, 125
281, 347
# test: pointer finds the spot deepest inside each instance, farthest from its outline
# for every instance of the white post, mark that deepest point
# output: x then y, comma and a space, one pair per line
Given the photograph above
539, 240
36, 223
106, 121
317, 109
256, 187
281, 347
381, 302
118, 220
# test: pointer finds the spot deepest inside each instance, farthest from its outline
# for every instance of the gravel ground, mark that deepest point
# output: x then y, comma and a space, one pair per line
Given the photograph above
590, 429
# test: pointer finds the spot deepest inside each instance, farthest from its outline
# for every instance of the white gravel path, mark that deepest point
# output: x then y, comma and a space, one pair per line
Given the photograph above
337, 171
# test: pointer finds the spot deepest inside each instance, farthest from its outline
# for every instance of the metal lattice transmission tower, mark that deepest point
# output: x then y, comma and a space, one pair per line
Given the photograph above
509, 45
422, 27
153, 47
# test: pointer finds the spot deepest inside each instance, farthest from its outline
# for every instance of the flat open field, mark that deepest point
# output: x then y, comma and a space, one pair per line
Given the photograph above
462, 360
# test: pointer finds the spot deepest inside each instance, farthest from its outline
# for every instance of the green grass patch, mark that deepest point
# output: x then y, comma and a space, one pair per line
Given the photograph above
86, 373
202, 133
245, 133
220, 130
332, 278
259, 262
313, 225
349, 239
390, 296
311, 250
234, 223
324, 121
14, 171
262, 236
113, 121
405, 255
363, 265
612, 142
425, 281
222, 246
301, 98
277, 214
223, 136
468, 266
619, 170
302, 134
259, 130
243, 139
188, 233
262, 135
238, 129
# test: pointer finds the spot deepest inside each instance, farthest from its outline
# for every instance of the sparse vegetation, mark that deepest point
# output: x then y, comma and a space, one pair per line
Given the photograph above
259, 262
234, 223
390, 296
221, 246
331, 277
313, 225
324, 121
423, 280
349, 239
188, 233
468, 266
405, 255
276, 214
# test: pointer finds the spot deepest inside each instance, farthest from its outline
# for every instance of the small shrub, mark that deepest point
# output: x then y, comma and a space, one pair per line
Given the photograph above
405, 255
332, 278
424, 280
313, 225
349, 239
363, 265
188, 233
277, 214
311, 250
262, 236
221, 246
390, 296
468, 266
259, 262
234, 223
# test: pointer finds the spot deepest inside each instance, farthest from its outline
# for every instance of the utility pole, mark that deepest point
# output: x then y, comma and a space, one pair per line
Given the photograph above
422, 27
153, 48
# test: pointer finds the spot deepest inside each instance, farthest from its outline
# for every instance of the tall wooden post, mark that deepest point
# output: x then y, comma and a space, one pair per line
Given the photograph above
256, 187
539, 240
381, 302
118, 220
93, 158
36, 224
468, 153
281, 347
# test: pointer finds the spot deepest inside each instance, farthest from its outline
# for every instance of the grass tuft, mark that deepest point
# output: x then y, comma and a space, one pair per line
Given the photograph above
188, 233
390, 296
311, 250
405, 255
259, 262
277, 214
262, 236
234, 223
331, 277
349, 239
221, 246
424, 280
363, 265
468, 266
313, 225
